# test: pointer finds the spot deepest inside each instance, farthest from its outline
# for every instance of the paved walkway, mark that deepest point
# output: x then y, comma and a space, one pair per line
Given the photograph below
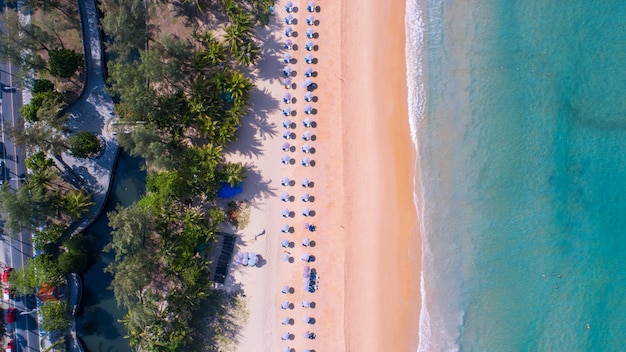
93, 112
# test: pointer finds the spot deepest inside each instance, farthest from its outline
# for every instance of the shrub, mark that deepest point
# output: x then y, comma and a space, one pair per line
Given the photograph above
64, 62
73, 261
84, 144
42, 86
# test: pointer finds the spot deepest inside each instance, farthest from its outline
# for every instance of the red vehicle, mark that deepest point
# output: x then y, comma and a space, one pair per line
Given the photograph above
11, 316
6, 274
7, 293
10, 346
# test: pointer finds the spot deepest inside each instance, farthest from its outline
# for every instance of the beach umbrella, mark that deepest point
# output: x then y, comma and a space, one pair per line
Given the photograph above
305, 197
285, 228
307, 122
306, 135
285, 289
252, 261
308, 109
308, 72
285, 321
306, 148
287, 98
237, 260
307, 319
305, 257
285, 257
307, 82
287, 71
309, 32
284, 243
287, 111
311, 6
306, 161
287, 134
288, 6
244, 262
288, 43
286, 58
288, 18
285, 181
306, 335
284, 305
286, 213
308, 58
306, 272
310, 20
284, 197
312, 228
286, 147
284, 336
285, 159
287, 83
308, 96
287, 123
309, 45
305, 182
286, 349
306, 211
306, 303
306, 241
288, 31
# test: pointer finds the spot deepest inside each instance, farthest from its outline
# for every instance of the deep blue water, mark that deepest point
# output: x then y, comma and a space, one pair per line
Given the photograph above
98, 326
523, 159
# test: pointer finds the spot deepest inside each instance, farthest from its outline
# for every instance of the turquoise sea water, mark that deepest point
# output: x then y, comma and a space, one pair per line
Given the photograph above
519, 109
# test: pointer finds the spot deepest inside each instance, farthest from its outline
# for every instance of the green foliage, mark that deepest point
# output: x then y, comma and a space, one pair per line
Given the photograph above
76, 203
168, 184
64, 62
54, 316
233, 173
47, 99
23, 279
20, 209
124, 22
129, 81
51, 235
42, 86
131, 225
84, 144
47, 271
73, 261
147, 142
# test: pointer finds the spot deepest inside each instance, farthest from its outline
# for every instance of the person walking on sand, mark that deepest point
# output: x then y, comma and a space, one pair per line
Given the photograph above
259, 234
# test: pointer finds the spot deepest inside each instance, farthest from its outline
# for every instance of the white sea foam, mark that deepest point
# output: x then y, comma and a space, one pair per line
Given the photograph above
414, 24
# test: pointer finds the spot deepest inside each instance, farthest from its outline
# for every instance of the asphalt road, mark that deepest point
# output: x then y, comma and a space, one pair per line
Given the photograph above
24, 331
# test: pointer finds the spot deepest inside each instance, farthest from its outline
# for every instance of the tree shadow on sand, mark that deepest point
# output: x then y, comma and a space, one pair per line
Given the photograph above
223, 314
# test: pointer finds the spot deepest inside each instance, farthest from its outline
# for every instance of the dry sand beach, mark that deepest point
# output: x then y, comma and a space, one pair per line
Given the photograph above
367, 249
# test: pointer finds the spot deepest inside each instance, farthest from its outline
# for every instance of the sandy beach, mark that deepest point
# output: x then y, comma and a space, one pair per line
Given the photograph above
366, 240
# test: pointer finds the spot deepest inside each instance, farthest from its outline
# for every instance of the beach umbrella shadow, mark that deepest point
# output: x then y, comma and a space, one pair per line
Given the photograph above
316, 47
312, 164
292, 148
312, 213
294, 47
312, 244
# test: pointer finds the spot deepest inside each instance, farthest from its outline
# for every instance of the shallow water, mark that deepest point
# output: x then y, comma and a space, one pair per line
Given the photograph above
523, 156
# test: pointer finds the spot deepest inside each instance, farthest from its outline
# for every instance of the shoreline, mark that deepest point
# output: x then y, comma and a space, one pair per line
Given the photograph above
368, 249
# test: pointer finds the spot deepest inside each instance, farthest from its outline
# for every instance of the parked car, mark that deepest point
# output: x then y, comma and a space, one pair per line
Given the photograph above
11, 316
6, 274
10, 346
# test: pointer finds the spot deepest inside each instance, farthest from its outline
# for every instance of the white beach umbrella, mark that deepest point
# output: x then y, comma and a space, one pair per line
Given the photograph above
285, 159
287, 71
286, 213
306, 241
308, 109
286, 110
286, 58
251, 256
285, 289
285, 321
244, 262
287, 83
305, 197
308, 96
307, 135
306, 148
310, 20
237, 260
285, 181
286, 147
288, 31
307, 319
285, 228
306, 303
311, 6
306, 225
252, 261
284, 197
307, 122
284, 243
286, 349
306, 161
287, 134
305, 257
288, 5
309, 45
287, 98
308, 72
285, 257
306, 211
307, 82
305, 182
287, 123
288, 44
284, 336
310, 32
288, 18
308, 58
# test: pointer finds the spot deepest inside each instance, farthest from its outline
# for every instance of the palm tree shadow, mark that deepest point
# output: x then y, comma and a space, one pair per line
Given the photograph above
255, 187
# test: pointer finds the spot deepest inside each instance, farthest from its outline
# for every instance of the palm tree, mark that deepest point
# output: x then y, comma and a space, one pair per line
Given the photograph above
77, 203
240, 87
247, 53
233, 173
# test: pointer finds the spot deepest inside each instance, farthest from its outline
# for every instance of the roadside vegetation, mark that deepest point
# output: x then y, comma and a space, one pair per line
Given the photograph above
180, 96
